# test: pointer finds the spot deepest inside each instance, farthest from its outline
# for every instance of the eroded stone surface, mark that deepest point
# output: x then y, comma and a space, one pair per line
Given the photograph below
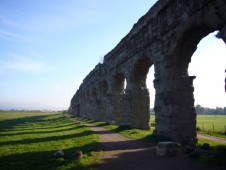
166, 37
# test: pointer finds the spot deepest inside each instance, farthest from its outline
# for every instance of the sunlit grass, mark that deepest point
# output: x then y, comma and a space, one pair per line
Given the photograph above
211, 143
28, 140
148, 136
142, 134
214, 125
126, 131
132, 133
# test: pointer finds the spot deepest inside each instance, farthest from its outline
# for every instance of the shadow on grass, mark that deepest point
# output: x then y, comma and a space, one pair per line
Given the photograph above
10, 123
51, 126
215, 155
47, 139
39, 132
148, 138
44, 160
147, 159
156, 138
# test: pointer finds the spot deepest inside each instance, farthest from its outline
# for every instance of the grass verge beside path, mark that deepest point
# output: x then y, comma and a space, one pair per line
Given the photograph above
141, 134
217, 134
147, 136
28, 140
128, 132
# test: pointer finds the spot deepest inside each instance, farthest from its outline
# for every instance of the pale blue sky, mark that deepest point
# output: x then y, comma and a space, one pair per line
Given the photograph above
49, 46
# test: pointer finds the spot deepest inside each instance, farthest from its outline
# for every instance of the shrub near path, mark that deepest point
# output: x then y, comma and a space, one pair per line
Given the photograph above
28, 140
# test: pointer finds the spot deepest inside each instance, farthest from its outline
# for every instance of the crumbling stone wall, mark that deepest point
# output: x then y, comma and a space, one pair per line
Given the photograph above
166, 37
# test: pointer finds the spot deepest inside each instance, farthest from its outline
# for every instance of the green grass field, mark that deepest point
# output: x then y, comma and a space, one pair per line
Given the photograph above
28, 140
212, 123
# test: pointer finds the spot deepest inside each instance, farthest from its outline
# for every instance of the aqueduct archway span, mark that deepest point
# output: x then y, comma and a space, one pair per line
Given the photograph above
165, 37
138, 93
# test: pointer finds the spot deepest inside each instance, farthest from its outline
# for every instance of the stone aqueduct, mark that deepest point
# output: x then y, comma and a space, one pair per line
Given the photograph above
165, 38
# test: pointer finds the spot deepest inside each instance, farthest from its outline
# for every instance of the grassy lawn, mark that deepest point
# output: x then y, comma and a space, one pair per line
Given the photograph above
207, 124
212, 124
28, 141
129, 132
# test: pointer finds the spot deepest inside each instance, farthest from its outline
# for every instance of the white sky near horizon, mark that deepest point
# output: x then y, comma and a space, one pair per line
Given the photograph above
49, 46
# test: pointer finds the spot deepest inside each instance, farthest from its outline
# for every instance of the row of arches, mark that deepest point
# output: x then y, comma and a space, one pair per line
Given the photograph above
124, 99
116, 91
119, 98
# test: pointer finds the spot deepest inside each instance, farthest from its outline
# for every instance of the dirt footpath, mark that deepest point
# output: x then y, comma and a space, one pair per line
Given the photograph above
212, 138
121, 153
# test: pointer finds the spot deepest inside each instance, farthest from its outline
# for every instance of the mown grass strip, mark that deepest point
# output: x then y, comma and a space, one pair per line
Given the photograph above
28, 140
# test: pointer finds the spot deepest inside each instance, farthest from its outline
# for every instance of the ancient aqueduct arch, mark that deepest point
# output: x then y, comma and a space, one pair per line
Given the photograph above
165, 38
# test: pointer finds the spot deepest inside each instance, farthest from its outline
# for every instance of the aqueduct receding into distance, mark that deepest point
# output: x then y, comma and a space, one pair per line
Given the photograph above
165, 38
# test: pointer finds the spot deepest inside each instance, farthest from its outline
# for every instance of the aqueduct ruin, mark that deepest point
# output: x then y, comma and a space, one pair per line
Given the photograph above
165, 38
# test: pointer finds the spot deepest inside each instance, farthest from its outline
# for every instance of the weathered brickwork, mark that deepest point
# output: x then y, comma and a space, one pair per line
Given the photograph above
165, 38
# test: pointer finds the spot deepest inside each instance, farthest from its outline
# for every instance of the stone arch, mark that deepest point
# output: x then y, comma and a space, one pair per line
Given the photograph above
209, 49
104, 88
87, 96
169, 33
104, 91
186, 46
93, 104
140, 71
175, 100
118, 83
138, 94
94, 93
116, 99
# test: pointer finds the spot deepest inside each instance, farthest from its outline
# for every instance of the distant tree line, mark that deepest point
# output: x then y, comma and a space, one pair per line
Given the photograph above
210, 111
204, 110
44, 110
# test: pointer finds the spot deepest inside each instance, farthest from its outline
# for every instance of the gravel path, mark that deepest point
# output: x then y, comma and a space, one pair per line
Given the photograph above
212, 138
121, 153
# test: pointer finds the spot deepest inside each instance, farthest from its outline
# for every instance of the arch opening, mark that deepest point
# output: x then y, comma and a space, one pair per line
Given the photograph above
151, 89
104, 88
140, 72
208, 65
177, 105
119, 84
115, 112
140, 100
